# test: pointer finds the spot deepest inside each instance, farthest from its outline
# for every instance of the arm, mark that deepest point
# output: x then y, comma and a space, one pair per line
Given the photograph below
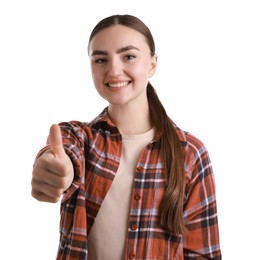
200, 212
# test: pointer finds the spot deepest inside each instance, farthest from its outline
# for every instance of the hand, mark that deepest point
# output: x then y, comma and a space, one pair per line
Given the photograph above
53, 171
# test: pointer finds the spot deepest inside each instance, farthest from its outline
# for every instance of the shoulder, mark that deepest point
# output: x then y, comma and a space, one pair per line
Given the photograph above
100, 125
189, 141
196, 157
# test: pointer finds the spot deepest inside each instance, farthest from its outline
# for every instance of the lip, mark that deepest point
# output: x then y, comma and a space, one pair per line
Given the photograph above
117, 84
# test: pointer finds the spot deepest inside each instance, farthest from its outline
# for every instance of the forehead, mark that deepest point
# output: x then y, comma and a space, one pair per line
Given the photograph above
117, 36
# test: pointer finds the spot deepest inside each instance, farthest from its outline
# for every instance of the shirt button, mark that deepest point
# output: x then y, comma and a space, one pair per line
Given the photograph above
134, 227
139, 169
131, 255
137, 196
149, 146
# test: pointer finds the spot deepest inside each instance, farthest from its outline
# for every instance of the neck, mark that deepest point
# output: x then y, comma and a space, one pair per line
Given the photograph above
131, 119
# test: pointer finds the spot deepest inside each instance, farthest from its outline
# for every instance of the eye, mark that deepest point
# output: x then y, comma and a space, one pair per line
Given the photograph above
100, 60
129, 57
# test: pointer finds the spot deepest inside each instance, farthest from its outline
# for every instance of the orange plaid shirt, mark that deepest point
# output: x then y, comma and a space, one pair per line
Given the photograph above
95, 150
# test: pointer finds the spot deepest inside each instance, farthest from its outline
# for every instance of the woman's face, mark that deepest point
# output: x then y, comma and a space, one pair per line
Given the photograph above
121, 64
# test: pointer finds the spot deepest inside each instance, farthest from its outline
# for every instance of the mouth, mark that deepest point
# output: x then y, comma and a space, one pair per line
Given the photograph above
117, 85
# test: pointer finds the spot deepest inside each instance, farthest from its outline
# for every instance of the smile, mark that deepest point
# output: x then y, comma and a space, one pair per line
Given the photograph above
118, 85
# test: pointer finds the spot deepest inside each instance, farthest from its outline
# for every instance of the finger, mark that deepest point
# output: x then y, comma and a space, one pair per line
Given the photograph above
44, 197
55, 139
41, 189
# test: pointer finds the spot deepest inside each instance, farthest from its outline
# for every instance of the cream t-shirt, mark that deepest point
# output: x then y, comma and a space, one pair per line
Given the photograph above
107, 238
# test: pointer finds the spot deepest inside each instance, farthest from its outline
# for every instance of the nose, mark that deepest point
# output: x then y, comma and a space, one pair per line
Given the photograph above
115, 68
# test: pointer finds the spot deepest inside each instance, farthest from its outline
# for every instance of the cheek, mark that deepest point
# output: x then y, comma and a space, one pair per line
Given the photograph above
96, 75
141, 70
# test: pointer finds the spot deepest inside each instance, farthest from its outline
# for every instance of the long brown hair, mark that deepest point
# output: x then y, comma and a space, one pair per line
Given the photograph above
171, 207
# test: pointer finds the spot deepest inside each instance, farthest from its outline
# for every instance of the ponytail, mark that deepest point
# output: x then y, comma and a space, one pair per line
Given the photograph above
171, 207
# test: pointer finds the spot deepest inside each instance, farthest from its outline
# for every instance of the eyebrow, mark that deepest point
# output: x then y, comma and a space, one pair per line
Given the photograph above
123, 49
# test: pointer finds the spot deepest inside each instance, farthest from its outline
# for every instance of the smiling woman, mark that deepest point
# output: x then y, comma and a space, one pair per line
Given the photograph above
125, 62
133, 184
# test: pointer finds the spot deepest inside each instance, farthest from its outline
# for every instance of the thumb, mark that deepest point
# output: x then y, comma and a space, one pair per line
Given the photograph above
55, 140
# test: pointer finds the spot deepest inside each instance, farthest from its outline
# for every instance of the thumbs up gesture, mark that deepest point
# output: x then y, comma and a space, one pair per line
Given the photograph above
53, 171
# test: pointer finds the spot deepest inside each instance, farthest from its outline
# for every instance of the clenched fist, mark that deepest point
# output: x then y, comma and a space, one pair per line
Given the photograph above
53, 171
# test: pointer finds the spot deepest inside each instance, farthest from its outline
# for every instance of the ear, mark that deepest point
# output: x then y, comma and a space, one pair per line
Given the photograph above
153, 66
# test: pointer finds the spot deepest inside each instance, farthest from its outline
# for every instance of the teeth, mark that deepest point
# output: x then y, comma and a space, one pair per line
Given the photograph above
118, 85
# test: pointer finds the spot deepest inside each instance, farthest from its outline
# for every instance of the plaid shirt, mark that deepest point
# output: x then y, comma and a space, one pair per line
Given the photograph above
95, 150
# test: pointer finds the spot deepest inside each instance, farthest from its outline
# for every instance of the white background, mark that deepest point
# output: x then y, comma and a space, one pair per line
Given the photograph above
205, 80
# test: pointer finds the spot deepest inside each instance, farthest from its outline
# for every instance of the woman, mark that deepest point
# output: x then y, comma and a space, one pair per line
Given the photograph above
133, 184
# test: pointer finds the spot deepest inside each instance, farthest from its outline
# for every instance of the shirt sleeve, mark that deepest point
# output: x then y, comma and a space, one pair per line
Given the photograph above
73, 222
74, 138
200, 211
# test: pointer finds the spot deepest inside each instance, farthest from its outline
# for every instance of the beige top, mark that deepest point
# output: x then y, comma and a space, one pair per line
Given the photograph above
108, 235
